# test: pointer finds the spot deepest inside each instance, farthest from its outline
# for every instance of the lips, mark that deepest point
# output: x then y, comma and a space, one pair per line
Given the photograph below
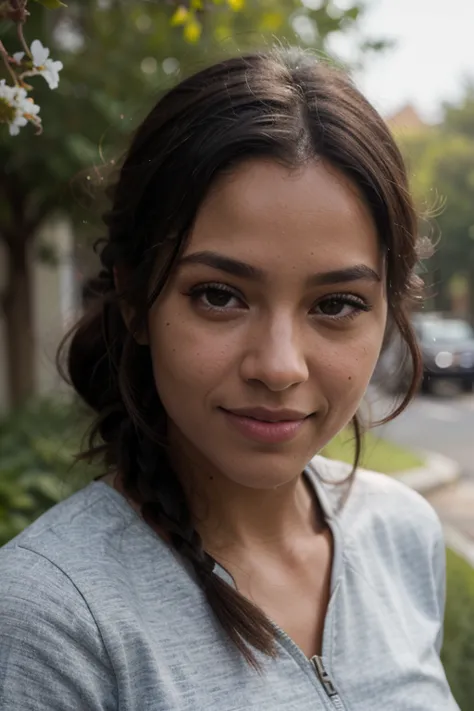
267, 426
266, 415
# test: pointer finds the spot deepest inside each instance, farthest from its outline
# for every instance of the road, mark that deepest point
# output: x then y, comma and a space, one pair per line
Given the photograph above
443, 424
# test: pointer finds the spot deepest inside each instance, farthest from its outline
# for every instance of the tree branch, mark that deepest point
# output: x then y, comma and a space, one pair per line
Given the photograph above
41, 213
15, 197
6, 61
6, 237
23, 42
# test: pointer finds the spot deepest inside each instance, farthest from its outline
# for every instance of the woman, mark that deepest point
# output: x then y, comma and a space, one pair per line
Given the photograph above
261, 237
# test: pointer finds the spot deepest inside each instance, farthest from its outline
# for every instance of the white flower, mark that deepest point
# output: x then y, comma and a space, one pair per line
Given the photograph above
16, 108
18, 123
43, 65
18, 56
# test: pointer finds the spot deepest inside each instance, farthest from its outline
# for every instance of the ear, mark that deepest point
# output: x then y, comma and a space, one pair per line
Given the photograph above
121, 276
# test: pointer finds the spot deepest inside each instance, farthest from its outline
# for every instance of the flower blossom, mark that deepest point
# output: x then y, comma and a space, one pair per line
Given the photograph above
16, 108
42, 64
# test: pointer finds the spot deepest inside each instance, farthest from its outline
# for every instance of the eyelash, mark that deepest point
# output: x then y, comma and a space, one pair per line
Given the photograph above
359, 305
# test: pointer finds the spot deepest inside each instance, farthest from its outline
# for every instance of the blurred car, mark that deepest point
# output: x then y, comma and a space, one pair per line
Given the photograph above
447, 349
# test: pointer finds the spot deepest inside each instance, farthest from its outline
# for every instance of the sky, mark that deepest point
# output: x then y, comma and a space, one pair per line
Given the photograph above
434, 53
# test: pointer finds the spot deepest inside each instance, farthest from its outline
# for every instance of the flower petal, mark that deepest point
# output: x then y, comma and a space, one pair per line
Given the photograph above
51, 73
39, 53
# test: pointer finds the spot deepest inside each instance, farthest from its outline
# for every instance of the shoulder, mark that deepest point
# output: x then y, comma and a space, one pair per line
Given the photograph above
93, 549
33, 588
379, 506
371, 488
49, 640
390, 533
60, 579
39, 569
84, 530
61, 557
88, 508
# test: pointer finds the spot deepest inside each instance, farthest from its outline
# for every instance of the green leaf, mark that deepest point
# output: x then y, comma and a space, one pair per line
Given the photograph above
353, 12
180, 17
51, 4
37, 447
236, 5
192, 30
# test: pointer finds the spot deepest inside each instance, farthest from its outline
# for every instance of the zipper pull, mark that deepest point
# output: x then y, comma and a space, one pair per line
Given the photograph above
324, 676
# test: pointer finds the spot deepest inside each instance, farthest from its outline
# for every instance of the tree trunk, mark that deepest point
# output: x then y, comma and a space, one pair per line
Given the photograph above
18, 310
471, 286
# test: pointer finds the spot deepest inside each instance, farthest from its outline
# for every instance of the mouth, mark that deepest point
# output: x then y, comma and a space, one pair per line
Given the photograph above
268, 426
264, 414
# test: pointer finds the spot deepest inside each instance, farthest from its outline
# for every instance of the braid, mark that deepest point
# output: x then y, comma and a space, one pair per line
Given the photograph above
163, 503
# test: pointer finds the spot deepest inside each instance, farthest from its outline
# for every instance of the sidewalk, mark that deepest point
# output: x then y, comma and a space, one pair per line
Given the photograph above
452, 497
455, 507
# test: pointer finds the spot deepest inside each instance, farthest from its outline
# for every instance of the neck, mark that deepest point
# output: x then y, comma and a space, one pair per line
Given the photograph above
230, 516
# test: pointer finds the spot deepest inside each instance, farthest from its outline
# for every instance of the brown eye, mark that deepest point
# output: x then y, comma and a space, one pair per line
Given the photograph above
340, 307
331, 307
217, 297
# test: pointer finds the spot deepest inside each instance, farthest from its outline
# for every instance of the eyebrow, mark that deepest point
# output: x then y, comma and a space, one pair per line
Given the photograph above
358, 272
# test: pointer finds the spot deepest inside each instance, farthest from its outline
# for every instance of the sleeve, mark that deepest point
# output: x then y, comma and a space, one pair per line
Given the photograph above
52, 657
439, 579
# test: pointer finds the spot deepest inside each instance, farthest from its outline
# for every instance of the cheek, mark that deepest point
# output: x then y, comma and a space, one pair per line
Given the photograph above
185, 355
348, 365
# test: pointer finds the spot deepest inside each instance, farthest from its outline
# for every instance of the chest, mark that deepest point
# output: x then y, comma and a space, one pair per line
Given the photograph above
379, 649
378, 653
295, 597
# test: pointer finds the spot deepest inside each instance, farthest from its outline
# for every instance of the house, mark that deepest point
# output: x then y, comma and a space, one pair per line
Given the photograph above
406, 120
55, 303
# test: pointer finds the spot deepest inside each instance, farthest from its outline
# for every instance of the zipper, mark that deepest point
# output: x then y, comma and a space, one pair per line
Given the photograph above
317, 668
326, 683
324, 677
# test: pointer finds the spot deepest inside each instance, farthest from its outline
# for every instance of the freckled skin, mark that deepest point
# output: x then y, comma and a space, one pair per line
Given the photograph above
272, 350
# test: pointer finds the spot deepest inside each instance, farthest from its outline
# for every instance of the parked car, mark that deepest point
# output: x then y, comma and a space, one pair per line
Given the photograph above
447, 348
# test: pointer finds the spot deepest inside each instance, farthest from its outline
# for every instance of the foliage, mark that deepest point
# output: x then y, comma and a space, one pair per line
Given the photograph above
17, 106
37, 449
441, 166
458, 649
112, 75
459, 117
117, 56
442, 170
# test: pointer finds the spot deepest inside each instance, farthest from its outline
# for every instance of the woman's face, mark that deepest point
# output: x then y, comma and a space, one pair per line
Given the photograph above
266, 337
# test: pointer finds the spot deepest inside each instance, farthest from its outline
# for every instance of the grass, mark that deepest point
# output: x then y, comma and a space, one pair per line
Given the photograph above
458, 649
377, 454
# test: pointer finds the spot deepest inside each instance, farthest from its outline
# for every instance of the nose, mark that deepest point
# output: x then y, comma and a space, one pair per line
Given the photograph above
276, 356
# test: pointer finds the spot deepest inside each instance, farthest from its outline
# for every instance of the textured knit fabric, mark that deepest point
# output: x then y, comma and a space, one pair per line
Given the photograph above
97, 614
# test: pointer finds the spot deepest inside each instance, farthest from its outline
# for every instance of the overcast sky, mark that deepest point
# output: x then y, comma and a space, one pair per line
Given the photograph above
433, 54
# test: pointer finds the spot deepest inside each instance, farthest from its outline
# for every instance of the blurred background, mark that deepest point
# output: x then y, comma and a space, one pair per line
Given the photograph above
414, 61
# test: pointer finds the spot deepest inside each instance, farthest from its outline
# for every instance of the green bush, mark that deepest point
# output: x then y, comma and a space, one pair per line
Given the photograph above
458, 649
37, 448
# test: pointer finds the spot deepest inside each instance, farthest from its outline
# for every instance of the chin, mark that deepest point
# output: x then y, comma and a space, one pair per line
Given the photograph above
263, 470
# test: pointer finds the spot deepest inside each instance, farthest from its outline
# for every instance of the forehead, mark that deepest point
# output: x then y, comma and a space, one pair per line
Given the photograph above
276, 218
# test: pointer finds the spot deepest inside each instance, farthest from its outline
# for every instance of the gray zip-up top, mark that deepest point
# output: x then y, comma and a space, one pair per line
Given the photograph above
97, 614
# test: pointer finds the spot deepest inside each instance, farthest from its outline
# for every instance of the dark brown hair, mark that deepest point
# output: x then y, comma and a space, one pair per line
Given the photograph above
280, 105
